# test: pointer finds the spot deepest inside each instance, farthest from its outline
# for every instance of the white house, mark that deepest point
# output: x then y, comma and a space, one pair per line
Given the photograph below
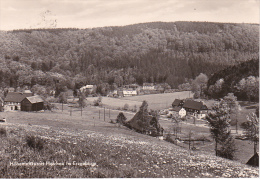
90, 88
177, 111
129, 92
148, 86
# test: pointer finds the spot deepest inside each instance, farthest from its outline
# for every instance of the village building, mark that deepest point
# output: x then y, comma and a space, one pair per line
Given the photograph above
89, 88
148, 86
177, 111
195, 108
177, 103
32, 103
254, 160
13, 100
129, 92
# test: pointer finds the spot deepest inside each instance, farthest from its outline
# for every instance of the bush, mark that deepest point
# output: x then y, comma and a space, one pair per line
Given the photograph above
126, 107
121, 118
34, 142
3, 132
98, 102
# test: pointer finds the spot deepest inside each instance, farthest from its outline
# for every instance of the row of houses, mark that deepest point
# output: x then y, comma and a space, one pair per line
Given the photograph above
135, 89
188, 107
22, 101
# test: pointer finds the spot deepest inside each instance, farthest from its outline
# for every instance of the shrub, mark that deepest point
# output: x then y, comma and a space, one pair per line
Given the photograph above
126, 107
121, 118
98, 102
34, 142
3, 132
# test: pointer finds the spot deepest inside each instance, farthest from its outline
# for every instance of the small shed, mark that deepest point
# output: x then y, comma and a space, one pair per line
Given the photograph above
254, 160
32, 103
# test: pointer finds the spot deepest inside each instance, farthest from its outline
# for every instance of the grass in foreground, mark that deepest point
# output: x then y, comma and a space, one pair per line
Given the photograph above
103, 156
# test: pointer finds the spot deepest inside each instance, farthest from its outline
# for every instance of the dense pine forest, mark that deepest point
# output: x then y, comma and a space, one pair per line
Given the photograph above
159, 52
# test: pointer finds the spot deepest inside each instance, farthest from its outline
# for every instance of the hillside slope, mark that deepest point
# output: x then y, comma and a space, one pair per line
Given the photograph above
84, 153
159, 52
241, 79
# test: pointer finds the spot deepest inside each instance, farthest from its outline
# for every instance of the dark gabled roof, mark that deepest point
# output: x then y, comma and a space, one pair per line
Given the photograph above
34, 99
194, 105
16, 97
177, 102
254, 160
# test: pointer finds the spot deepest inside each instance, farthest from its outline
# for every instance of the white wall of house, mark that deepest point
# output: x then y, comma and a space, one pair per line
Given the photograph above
148, 87
182, 112
12, 106
129, 92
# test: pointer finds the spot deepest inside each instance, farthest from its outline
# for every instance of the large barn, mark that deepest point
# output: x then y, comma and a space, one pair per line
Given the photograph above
32, 103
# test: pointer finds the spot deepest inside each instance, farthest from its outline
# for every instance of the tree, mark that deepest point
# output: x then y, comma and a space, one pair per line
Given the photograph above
63, 98
219, 123
249, 87
199, 85
233, 106
251, 129
81, 101
121, 118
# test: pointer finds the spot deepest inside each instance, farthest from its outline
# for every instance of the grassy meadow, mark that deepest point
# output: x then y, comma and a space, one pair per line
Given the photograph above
40, 151
155, 101
67, 144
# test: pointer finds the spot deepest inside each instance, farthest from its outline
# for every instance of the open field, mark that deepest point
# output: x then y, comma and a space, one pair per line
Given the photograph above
75, 146
94, 120
160, 101
155, 101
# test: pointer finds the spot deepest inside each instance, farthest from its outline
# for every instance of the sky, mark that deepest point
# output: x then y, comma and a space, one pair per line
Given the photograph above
25, 14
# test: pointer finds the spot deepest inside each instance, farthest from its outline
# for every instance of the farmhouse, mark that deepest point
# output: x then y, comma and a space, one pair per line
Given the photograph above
177, 111
197, 109
32, 103
177, 103
129, 92
89, 88
13, 100
148, 86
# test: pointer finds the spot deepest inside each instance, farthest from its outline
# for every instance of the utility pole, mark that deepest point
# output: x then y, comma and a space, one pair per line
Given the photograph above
109, 113
99, 114
70, 110
104, 114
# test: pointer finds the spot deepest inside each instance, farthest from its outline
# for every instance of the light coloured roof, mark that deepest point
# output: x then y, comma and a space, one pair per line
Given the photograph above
35, 99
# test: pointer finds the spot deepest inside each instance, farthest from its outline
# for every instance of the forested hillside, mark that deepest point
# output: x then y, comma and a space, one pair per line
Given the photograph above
112, 56
241, 79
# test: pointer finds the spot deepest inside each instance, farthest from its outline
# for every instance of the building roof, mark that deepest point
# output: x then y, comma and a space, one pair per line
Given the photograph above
148, 84
194, 105
34, 99
16, 97
254, 160
176, 102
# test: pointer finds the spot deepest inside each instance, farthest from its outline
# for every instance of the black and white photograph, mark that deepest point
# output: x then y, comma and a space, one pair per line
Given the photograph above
129, 88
